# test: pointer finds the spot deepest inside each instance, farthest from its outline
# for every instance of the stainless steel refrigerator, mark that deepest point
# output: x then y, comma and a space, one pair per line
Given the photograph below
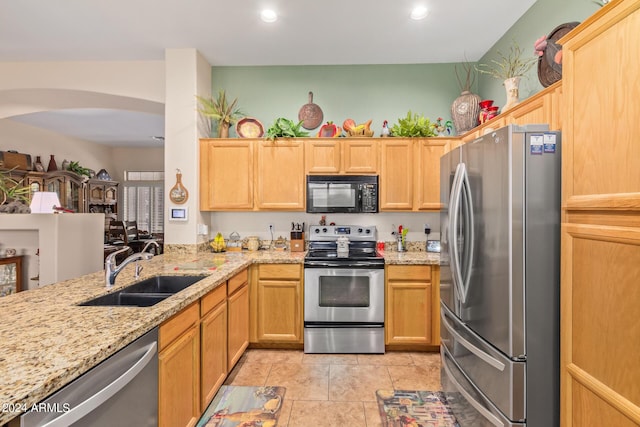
500, 278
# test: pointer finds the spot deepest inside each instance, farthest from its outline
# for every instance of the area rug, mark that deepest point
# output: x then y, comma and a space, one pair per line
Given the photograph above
244, 406
414, 408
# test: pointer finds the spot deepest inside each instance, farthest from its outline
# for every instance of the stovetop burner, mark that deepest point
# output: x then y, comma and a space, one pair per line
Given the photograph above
323, 247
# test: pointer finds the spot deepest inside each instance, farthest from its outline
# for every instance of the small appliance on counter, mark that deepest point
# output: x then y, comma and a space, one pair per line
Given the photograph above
297, 237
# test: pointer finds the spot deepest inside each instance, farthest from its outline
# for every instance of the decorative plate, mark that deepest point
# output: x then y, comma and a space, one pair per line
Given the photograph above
249, 127
549, 71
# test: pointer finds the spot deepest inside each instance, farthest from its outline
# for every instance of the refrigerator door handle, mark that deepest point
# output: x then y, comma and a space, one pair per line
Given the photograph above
453, 226
472, 348
459, 180
477, 405
469, 234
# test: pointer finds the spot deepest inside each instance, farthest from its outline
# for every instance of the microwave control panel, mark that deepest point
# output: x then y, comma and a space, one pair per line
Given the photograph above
369, 195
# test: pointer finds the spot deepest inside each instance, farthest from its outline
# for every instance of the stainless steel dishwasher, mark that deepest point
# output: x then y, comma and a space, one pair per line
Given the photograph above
121, 391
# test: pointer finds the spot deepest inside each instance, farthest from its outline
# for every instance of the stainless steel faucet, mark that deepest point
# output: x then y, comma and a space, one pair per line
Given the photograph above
111, 269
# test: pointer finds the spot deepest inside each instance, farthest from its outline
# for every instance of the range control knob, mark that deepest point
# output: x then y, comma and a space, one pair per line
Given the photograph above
360, 230
368, 231
324, 230
316, 230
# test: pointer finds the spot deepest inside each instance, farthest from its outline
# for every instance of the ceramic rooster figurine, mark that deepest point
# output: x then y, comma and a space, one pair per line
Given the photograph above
385, 129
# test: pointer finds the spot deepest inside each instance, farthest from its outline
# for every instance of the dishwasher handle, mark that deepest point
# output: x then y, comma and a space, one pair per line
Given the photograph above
106, 393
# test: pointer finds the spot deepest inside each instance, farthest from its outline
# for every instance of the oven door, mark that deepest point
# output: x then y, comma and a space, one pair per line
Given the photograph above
344, 295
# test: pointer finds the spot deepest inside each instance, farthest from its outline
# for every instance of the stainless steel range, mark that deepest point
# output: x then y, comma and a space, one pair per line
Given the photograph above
343, 291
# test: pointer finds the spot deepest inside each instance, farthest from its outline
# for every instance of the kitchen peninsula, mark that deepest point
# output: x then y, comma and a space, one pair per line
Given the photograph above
49, 340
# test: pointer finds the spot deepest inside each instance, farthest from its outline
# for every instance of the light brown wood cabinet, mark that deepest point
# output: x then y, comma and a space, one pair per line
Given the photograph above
600, 243
410, 173
335, 156
213, 330
197, 349
280, 183
396, 174
179, 369
238, 326
412, 306
277, 304
226, 174
427, 172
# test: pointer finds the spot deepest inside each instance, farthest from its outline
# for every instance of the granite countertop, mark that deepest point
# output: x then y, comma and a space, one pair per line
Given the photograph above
46, 340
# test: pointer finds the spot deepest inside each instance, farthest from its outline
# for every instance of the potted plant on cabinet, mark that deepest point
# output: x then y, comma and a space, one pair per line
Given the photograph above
220, 111
509, 68
12, 192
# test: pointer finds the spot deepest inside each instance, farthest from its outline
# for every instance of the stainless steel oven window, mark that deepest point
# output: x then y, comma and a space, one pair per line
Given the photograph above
344, 291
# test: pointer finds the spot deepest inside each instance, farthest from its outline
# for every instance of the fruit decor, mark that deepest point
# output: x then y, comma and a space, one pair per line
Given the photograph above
218, 244
363, 129
329, 130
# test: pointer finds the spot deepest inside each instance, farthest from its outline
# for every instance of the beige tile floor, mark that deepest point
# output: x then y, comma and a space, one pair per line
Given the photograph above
335, 390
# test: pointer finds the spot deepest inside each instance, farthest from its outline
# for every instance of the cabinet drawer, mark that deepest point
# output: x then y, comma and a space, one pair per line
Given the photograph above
237, 281
178, 324
279, 271
213, 298
409, 272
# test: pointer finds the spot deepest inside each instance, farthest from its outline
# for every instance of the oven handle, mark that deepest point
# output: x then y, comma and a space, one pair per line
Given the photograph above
356, 264
311, 325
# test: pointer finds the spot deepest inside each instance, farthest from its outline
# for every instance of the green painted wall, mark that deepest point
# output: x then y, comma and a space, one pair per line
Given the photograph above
385, 92
360, 92
540, 19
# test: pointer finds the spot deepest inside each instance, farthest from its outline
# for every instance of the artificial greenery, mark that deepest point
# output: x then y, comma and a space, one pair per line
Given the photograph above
509, 65
220, 110
75, 167
285, 128
12, 189
413, 125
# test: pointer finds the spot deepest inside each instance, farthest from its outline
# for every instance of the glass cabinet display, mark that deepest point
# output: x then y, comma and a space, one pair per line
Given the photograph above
69, 187
10, 275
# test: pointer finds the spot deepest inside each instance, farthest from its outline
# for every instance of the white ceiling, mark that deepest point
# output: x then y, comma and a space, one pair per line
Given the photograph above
231, 33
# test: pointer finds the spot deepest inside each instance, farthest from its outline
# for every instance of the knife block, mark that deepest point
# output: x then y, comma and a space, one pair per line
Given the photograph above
297, 241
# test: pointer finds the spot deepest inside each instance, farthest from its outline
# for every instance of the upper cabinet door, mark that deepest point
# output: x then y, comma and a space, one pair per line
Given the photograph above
396, 174
360, 156
428, 172
226, 174
322, 156
280, 168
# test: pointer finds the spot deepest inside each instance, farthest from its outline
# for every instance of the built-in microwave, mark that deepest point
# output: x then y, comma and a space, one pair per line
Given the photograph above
342, 193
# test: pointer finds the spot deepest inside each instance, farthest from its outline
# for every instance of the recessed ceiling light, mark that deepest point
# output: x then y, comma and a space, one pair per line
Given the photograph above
268, 15
419, 12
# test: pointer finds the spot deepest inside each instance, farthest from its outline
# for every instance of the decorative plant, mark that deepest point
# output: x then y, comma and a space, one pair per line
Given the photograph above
220, 111
441, 128
75, 167
509, 65
285, 128
413, 125
469, 74
12, 189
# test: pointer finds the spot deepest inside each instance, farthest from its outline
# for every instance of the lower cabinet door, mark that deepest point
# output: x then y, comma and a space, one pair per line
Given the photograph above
238, 339
213, 352
179, 381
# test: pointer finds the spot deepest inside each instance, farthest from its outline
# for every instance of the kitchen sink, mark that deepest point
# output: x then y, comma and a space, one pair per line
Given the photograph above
145, 293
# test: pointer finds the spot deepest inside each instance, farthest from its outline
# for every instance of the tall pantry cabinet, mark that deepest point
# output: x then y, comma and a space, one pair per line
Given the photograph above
600, 286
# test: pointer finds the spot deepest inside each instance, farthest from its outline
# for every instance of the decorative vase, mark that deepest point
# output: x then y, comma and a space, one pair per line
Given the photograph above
484, 110
464, 111
38, 165
512, 87
52, 164
65, 165
223, 130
